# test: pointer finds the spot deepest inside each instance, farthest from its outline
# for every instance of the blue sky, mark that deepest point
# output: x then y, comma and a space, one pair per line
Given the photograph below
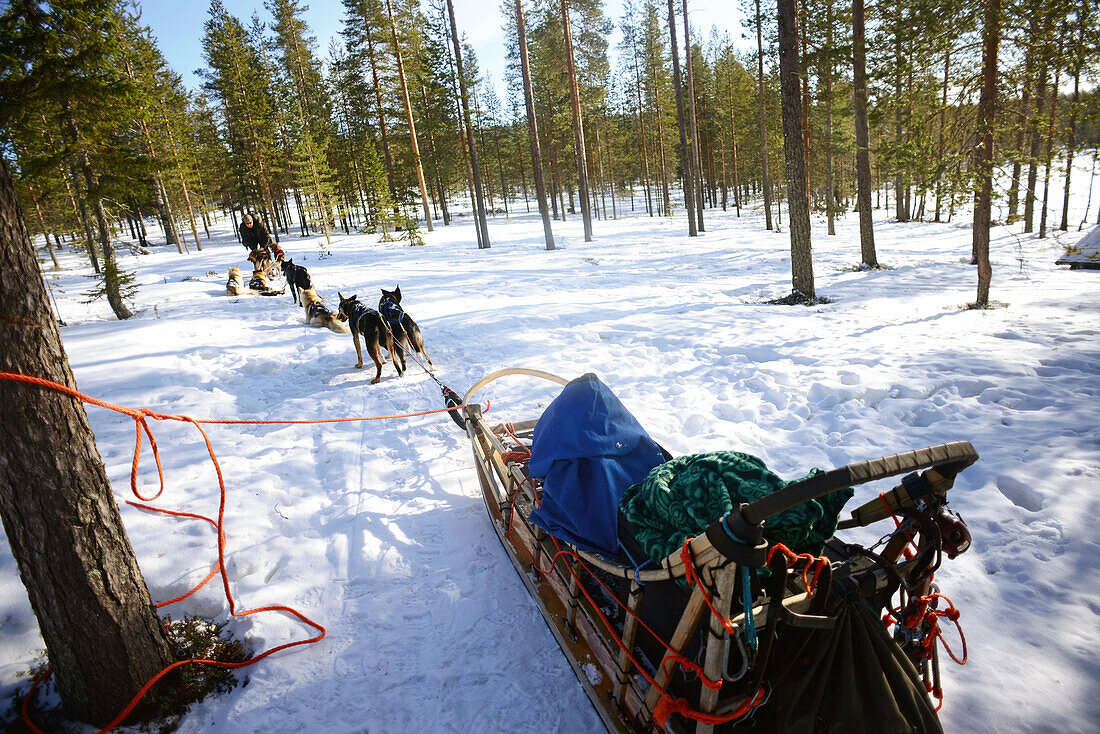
177, 25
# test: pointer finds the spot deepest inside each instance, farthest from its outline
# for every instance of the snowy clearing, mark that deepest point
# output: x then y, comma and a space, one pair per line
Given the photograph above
377, 530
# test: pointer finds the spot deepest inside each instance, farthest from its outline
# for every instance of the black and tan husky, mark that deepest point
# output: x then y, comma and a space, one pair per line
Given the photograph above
406, 334
297, 278
368, 322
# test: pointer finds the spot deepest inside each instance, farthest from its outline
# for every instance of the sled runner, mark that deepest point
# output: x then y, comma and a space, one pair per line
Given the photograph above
730, 630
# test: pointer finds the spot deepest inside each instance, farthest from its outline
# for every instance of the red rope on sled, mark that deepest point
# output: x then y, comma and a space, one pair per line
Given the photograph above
668, 704
140, 416
816, 564
692, 577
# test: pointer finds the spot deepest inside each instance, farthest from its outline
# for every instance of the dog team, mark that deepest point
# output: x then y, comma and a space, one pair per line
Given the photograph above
385, 329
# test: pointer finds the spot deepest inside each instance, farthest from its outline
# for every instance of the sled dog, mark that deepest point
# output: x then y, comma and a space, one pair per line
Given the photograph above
297, 278
318, 314
235, 285
405, 332
368, 322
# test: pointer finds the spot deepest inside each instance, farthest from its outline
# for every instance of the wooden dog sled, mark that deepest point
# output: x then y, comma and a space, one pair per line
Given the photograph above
799, 647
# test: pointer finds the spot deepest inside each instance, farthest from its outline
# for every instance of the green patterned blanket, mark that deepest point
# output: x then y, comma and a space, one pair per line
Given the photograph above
680, 498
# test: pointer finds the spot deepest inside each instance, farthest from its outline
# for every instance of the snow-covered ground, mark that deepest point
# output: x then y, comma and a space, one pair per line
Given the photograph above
377, 530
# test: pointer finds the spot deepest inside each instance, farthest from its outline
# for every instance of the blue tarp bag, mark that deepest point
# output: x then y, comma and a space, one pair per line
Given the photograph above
588, 449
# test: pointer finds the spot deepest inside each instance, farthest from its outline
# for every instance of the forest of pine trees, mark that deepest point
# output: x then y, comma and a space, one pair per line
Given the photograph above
392, 128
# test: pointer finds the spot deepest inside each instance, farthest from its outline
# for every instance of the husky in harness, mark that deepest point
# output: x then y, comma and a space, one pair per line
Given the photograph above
318, 314
368, 322
405, 331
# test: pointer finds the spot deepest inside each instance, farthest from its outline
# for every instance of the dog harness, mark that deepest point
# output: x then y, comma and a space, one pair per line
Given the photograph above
359, 312
317, 309
234, 280
257, 283
391, 311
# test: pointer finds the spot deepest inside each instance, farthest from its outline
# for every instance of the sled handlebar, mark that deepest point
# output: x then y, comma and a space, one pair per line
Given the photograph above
948, 459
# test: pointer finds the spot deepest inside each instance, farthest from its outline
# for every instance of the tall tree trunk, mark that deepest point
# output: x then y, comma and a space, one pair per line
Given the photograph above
500, 168
1071, 132
800, 27
578, 127
479, 211
110, 266
900, 180
666, 200
863, 138
641, 132
101, 630
983, 156
72, 186
696, 158
183, 182
1092, 179
940, 152
42, 225
1021, 134
1048, 146
733, 142
1036, 133
382, 131
409, 115
830, 179
767, 183
802, 268
686, 157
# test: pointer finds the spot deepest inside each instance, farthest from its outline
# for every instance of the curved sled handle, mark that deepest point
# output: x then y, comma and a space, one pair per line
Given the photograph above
948, 459
511, 371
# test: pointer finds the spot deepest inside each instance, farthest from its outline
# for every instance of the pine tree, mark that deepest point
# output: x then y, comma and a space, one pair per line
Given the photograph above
802, 275
101, 630
532, 125
310, 133
991, 38
863, 139
64, 67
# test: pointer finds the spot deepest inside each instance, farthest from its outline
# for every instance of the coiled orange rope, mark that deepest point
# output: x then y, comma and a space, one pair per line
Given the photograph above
140, 416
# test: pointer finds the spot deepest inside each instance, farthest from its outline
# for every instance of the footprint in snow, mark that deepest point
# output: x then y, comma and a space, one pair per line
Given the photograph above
1020, 494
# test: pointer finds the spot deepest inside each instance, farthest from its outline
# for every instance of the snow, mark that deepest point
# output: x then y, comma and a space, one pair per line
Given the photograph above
377, 529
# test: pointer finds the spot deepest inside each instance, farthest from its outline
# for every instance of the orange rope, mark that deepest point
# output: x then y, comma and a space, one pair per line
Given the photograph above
816, 564
140, 415
668, 704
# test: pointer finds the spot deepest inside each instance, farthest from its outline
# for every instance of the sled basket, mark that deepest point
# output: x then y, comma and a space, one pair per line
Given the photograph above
732, 632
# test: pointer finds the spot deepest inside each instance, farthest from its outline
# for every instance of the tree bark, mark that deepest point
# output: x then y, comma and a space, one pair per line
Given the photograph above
686, 159
1071, 133
386, 157
100, 627
983, 156
578, 127
696, 158
798, 200
532, 128
1036, 133
830, 177
863, 137
412, 124
733, 144
1021, 137
110, 266
767, 184
479, 208
1048, 146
